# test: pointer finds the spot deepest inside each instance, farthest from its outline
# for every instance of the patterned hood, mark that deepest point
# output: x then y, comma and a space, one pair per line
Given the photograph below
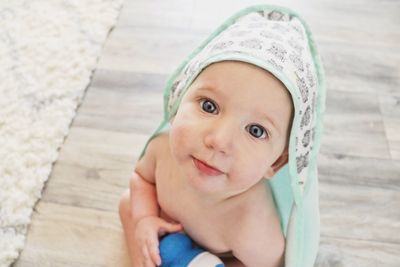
279, 41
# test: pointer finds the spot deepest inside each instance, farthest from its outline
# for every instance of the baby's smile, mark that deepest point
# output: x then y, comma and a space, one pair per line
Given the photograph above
205, 168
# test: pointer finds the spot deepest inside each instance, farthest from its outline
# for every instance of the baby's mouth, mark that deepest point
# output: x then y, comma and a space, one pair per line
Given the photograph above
205, 168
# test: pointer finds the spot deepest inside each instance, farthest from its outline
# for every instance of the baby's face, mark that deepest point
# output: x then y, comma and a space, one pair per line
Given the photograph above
231, 127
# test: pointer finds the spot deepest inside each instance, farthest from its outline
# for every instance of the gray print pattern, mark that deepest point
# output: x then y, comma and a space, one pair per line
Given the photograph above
174, 94
239, 33
302, 162
222, 45
252, 44
295, 45
174, 86
296, 60
306, 138
301, 83
310, 76
299, 31
278, 16
262, 13
280, 28
271, 35
313, 102
278, 51
192, 69
188, 70
305, 120
273, 63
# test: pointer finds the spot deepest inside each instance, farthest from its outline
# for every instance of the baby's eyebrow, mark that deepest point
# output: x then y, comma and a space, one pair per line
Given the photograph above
207, 87
268, 118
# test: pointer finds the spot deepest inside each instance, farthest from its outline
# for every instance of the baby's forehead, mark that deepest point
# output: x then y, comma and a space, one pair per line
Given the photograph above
244, 85
212, 72
223, 76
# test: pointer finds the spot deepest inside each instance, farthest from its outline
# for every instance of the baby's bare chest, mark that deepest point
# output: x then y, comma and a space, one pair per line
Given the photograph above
210, 228
177, 205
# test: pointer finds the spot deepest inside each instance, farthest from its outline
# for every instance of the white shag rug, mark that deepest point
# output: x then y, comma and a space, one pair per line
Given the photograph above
48, 51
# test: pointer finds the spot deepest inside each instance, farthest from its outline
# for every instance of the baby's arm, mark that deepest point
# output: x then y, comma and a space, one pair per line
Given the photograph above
143, 194
142, 225
142, 190
256, 244
143, 197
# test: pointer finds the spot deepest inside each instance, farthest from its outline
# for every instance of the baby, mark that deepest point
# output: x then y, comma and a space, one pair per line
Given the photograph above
230, 120
207, 172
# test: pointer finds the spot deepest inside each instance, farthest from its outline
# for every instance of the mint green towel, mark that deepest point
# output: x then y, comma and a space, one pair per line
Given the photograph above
278, 40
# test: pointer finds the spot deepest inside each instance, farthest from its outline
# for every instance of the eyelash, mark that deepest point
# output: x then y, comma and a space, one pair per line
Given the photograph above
265, 133
203, 100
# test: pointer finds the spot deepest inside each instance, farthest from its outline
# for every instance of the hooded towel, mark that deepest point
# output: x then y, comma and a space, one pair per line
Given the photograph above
278, 40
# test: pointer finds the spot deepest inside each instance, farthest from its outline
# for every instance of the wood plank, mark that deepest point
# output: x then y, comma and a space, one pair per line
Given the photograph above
343, 252
353, 121
359, 212
61, 236
370, 145
139, 49
363, 68
94, 168
124, 102
354, 171
392, 128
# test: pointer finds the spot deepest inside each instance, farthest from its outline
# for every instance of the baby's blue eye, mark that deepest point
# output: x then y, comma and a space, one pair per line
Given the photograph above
208, 106
257, 131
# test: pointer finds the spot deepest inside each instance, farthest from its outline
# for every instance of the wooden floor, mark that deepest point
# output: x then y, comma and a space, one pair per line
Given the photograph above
76, 222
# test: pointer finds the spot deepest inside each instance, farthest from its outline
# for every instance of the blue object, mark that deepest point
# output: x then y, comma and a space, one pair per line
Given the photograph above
177, 250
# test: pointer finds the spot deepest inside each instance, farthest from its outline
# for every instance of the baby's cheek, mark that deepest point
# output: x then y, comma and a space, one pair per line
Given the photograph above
183, 125
179, 139
175, 135
178, 129
256, 165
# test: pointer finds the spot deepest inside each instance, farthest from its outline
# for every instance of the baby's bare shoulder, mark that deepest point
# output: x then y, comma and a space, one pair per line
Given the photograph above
147, 165
160, 149
158, 145
159, 140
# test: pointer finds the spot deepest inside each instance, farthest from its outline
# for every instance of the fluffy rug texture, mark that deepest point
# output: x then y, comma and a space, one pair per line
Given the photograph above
48, 51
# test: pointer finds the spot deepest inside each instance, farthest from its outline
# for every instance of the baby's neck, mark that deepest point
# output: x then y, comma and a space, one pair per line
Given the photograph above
219, 200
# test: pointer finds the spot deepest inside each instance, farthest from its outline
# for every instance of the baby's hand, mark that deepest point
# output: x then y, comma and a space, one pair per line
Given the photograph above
146, 245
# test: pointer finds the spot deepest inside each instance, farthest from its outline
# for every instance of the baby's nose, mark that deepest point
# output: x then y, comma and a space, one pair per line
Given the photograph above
221, 137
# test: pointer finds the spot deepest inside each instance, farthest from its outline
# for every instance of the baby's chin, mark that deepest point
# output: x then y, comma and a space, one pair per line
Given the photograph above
205, 184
